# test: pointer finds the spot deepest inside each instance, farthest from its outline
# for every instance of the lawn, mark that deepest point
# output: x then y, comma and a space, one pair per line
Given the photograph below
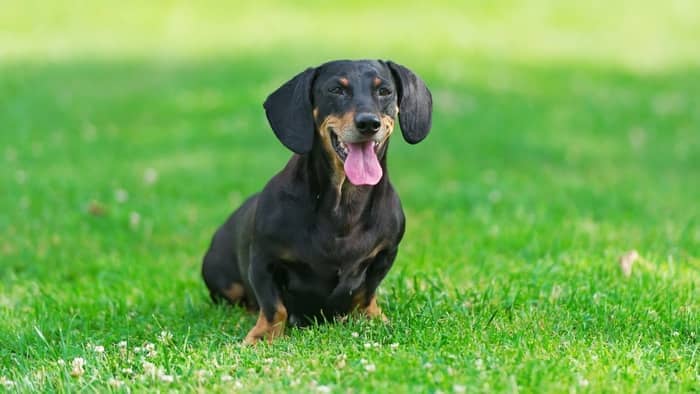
564, 136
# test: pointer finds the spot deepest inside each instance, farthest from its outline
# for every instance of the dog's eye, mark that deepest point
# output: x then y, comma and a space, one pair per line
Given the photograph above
339, 90
383, 92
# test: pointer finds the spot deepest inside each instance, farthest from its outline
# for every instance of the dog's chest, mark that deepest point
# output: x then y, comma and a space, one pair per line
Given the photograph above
341, 250
321, 291
329, 270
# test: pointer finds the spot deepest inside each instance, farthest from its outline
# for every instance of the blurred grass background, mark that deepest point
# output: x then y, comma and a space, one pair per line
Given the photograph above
641, 35
565, 133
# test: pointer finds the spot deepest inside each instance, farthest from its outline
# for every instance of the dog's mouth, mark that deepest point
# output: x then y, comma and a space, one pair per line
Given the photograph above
341, 148
360, 160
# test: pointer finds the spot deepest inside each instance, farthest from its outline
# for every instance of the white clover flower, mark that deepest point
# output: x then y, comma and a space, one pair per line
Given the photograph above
355, 334
583, 382
458, 388
150, 349
78, 369
370, 368
99, 349
121, 195
134, 219
6, 382
116, 383
201, 374
165, 337
150, 176
394, 345
148, 368
166, 378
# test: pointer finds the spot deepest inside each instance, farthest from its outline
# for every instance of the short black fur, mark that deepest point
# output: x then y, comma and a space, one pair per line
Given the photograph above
311, 240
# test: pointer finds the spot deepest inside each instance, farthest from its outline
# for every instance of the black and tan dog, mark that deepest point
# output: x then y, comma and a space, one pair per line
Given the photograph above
316, 242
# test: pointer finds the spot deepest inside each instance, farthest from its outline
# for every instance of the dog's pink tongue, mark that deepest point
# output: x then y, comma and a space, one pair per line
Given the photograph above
361, 165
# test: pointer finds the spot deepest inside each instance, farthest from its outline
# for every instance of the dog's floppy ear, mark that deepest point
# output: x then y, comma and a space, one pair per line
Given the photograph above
288, 110
415, 103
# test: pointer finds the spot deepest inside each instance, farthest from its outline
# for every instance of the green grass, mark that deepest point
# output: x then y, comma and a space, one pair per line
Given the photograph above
564, 135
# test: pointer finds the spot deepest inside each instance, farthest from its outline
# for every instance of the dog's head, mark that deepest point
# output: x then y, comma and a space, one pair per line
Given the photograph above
347, 108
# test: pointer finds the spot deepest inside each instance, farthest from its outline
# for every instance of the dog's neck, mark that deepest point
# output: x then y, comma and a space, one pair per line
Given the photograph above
337, 199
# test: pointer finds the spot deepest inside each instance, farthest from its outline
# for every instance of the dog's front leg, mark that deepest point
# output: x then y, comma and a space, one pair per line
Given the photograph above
366, 299
273, 314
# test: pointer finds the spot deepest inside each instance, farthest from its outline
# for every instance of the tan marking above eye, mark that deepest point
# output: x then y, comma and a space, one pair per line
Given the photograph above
344, 82
377, 81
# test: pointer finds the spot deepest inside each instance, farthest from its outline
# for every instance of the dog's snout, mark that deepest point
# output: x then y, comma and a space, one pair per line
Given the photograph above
367, 123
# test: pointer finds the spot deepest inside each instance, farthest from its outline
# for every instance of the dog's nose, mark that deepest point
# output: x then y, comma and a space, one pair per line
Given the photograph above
367, 123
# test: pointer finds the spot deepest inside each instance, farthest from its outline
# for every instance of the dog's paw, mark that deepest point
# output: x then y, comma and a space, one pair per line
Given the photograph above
265, 329
377, 316
250, 340
373, 311
253, 339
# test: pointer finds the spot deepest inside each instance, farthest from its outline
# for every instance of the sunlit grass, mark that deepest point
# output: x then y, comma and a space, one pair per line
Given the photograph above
640, 35
564, 136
